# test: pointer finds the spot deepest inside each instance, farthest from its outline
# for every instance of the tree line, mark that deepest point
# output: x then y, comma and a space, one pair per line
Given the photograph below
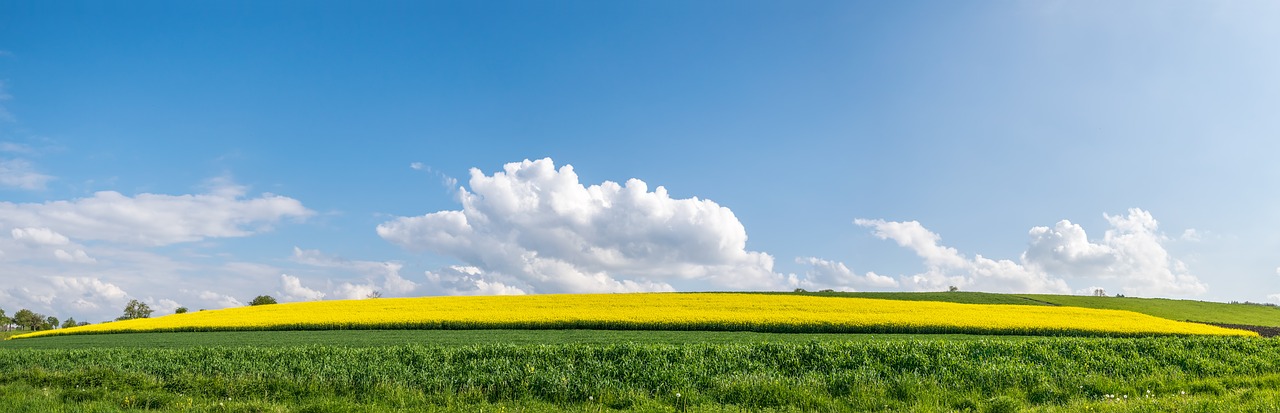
26, 319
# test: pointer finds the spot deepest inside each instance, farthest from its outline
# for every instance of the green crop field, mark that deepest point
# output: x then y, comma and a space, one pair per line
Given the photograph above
1051, 374
1183, 310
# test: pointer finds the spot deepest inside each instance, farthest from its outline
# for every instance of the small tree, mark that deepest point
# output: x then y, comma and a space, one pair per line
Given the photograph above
262, 300
180, 310
953, 289
28, 319
51, 322
71, 322
374, 294
5, 321
136, 309
1099, 293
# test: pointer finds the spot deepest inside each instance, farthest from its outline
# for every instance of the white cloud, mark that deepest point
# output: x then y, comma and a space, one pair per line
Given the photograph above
1131, 253
1191, 234
39, 236
79, 256
417, 166
1130, 256
1091, 290
389, 273
349, 291
161, 306
823, 274
19, 173
83, 293
220, 300
545, 232
465, 280
153, 219
294, 290
88, 286
946, 267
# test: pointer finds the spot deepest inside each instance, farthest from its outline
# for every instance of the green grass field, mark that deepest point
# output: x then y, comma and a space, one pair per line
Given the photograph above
1050, 374
1182, 310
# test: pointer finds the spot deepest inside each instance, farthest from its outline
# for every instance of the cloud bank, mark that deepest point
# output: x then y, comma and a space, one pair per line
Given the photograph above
154, 219
533, 228
823, 274
1130, 256
86, 257
376, 276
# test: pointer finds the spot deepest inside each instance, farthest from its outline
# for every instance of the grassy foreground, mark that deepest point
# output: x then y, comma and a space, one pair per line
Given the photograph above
1050, 374
777, 313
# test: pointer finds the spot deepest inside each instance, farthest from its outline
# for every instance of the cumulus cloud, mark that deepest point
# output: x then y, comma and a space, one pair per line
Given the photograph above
153, 219
19, 173
380, 276
1131, 253
1130, 256
84, 293
77, 256
88, 287
946, 267
39, 236
161, 305
467, 280
542, 230
294, 290
823, 274
219, 300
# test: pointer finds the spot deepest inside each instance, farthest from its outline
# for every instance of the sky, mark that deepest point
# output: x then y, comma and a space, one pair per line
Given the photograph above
199, 154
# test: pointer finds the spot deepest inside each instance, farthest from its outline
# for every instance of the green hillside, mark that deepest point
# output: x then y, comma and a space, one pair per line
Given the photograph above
1182, 310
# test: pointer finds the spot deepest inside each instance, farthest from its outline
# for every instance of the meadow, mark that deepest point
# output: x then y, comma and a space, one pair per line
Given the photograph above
1048, 374
586, 370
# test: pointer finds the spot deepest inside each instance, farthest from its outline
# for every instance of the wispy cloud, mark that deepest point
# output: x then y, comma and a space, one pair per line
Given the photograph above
157, 219
16, 148
21, 174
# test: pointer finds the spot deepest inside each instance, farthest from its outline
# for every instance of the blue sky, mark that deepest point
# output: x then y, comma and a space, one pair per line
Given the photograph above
202, 153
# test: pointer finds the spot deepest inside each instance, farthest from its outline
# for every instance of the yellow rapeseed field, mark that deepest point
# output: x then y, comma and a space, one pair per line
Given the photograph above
665, 311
